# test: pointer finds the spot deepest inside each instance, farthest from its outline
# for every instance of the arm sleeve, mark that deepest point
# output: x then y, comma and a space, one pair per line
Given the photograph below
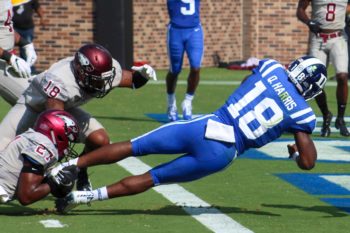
32, 166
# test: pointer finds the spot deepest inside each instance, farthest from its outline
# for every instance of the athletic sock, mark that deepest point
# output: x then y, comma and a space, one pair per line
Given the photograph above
171, 99
189, 97
100, 194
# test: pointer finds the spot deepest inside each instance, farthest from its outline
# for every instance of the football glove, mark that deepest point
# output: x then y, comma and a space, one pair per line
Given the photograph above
62, 182
20, 66
314, 26
293, 151
59, 167
30, 54
146, 71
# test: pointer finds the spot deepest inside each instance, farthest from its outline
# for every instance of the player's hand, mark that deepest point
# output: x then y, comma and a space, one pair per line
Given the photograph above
146, 71
30, 53
63, 182
314, 26
20, 66
58, 168
292, 151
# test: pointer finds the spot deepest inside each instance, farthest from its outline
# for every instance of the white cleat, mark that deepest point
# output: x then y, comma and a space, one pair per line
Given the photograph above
186, 110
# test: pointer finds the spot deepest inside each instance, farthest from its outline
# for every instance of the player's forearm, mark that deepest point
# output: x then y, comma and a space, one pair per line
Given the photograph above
34, 194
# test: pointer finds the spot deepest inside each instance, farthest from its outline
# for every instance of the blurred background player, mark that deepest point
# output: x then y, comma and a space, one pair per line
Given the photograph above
185, 34
25, 161
23, 22
67, 84
12, 66
328, 42
268, 103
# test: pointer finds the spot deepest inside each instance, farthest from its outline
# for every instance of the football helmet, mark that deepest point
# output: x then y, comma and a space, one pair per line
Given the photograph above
61, 128
309, 75
93, 69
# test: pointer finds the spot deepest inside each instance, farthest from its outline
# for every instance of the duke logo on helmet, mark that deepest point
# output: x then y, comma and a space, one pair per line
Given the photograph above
309, 75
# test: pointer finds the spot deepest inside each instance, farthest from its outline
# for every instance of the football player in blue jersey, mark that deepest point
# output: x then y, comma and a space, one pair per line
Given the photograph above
184, 35
270, 101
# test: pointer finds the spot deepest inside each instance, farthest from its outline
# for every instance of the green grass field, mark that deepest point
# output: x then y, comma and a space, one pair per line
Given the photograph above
248, 192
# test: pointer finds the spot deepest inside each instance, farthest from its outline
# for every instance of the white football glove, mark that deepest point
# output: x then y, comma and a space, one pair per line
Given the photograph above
20, 66
146, 71
60, 166
30, 53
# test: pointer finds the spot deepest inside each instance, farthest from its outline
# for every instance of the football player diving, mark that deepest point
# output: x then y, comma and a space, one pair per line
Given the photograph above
270, 101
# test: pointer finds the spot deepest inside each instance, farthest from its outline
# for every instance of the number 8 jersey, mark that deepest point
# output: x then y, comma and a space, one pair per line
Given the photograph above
264, 106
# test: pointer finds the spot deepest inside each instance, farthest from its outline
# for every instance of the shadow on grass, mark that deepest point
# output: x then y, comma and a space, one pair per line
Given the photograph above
171, 210
331, 210
14, 209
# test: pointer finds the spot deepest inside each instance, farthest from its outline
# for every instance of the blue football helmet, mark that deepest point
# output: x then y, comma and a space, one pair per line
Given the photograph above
309, 75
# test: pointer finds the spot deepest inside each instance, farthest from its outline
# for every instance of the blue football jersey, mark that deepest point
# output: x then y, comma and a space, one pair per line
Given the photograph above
264, 106
184, 13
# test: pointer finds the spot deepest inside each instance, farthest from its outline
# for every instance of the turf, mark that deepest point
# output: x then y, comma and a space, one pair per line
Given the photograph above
249, 191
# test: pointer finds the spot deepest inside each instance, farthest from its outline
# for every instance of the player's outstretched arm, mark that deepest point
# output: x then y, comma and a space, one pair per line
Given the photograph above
138, 78
303, 151
30, 186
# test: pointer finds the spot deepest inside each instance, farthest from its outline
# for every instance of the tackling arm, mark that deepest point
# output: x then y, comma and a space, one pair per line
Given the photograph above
138, 78
30, 186
303, 151
52, 103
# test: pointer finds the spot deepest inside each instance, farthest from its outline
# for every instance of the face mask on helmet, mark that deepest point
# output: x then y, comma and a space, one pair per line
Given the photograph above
61, 128
309, 75
93, 70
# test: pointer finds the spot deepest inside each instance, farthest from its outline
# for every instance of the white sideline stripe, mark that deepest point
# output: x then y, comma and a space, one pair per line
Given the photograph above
218, 83
52, 223
341, 180
210, 217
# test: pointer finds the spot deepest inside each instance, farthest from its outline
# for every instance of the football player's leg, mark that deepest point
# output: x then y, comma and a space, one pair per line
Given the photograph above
175, 49
172, 138
93, 135
211, 157
194, 49
317, 50
19, 119
339, 56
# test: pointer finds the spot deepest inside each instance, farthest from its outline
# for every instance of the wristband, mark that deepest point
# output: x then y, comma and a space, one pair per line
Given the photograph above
6, 56
295, 155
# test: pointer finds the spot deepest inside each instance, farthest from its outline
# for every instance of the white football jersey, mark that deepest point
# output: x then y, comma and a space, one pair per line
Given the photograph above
59, 82
7, 39
36, 146
329, 13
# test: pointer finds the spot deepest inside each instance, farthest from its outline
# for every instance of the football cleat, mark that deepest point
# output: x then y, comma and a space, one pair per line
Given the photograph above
186, 110
326, 130
172, 113
340, 124
83, 182
72, 200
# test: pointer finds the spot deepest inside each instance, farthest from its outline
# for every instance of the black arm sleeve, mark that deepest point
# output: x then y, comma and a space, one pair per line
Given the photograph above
30, 166
138, 80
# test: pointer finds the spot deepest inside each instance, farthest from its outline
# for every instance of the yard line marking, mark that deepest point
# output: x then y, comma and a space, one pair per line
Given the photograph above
218, 82
209, 216
52, 223
341, 180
